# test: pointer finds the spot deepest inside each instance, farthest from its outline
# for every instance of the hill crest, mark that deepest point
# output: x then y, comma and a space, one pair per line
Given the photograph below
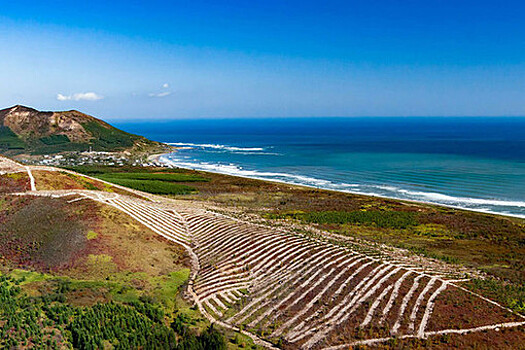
28, 130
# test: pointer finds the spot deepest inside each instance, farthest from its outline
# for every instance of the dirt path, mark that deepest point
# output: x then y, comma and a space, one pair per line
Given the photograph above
260, 250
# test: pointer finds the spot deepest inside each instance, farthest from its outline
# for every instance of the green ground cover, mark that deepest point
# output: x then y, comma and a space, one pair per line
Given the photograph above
9, 140
166, 182
152, 186
384, 219
49, 320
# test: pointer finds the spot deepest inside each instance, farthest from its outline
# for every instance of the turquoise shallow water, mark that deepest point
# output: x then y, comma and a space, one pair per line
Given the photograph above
471, 163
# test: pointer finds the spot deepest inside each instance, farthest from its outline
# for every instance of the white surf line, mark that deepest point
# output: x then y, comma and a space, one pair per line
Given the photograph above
394, 294
404, 303
31, 179
429, 308
419, 299
374, 306
319, 295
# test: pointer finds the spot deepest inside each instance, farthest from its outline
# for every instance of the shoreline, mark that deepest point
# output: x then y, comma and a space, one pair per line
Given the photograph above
158, 157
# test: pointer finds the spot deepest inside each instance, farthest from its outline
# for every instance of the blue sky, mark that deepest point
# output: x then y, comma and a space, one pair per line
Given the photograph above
194, 59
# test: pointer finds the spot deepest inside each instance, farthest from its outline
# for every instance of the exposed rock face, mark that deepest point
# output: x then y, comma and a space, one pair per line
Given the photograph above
25, 130
30, 123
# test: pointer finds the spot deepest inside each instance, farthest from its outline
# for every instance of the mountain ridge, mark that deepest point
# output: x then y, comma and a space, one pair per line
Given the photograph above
26, 130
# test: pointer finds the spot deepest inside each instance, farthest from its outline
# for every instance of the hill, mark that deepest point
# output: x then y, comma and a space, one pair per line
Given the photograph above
25, 130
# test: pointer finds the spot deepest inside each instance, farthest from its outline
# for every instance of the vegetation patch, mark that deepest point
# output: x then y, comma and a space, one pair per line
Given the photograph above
91, 235
153, 186
16, 182
49, 321
109, 138
383, 219
165, 176
510, 295
9, 140
40, 232
55, 140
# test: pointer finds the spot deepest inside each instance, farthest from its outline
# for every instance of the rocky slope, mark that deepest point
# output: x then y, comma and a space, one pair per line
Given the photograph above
27, 130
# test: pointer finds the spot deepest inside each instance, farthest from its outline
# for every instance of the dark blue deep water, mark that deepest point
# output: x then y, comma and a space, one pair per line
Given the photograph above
471, 163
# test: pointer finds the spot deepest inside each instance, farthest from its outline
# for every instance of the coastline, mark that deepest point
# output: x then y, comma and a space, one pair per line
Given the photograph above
159, 158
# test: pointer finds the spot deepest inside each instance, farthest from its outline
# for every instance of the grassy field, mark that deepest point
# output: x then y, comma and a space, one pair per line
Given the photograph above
156, 182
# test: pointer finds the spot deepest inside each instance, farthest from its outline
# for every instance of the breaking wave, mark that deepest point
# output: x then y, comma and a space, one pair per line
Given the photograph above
494, 206
217, 147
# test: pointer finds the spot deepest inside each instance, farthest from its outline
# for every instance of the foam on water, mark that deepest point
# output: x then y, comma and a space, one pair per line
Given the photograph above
471, 163
494, 206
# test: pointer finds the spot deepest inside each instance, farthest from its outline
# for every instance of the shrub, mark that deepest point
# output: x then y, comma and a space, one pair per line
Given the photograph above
383, 219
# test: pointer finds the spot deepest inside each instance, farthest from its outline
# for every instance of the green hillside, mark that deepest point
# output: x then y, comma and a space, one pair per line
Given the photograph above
25, 130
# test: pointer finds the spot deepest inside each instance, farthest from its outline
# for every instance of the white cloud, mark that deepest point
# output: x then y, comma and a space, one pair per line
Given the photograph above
165, 85
160, 94
61, 97
81, 96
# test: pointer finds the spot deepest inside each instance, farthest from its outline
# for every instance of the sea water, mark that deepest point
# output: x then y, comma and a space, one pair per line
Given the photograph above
466, 162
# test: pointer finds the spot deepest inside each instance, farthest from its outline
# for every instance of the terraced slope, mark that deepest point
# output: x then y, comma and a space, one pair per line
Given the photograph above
298, 291
306, 292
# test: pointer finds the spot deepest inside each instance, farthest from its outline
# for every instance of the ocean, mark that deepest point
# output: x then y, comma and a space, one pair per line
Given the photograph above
465, 162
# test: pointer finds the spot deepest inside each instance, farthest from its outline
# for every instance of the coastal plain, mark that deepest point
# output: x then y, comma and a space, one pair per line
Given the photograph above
270, 264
